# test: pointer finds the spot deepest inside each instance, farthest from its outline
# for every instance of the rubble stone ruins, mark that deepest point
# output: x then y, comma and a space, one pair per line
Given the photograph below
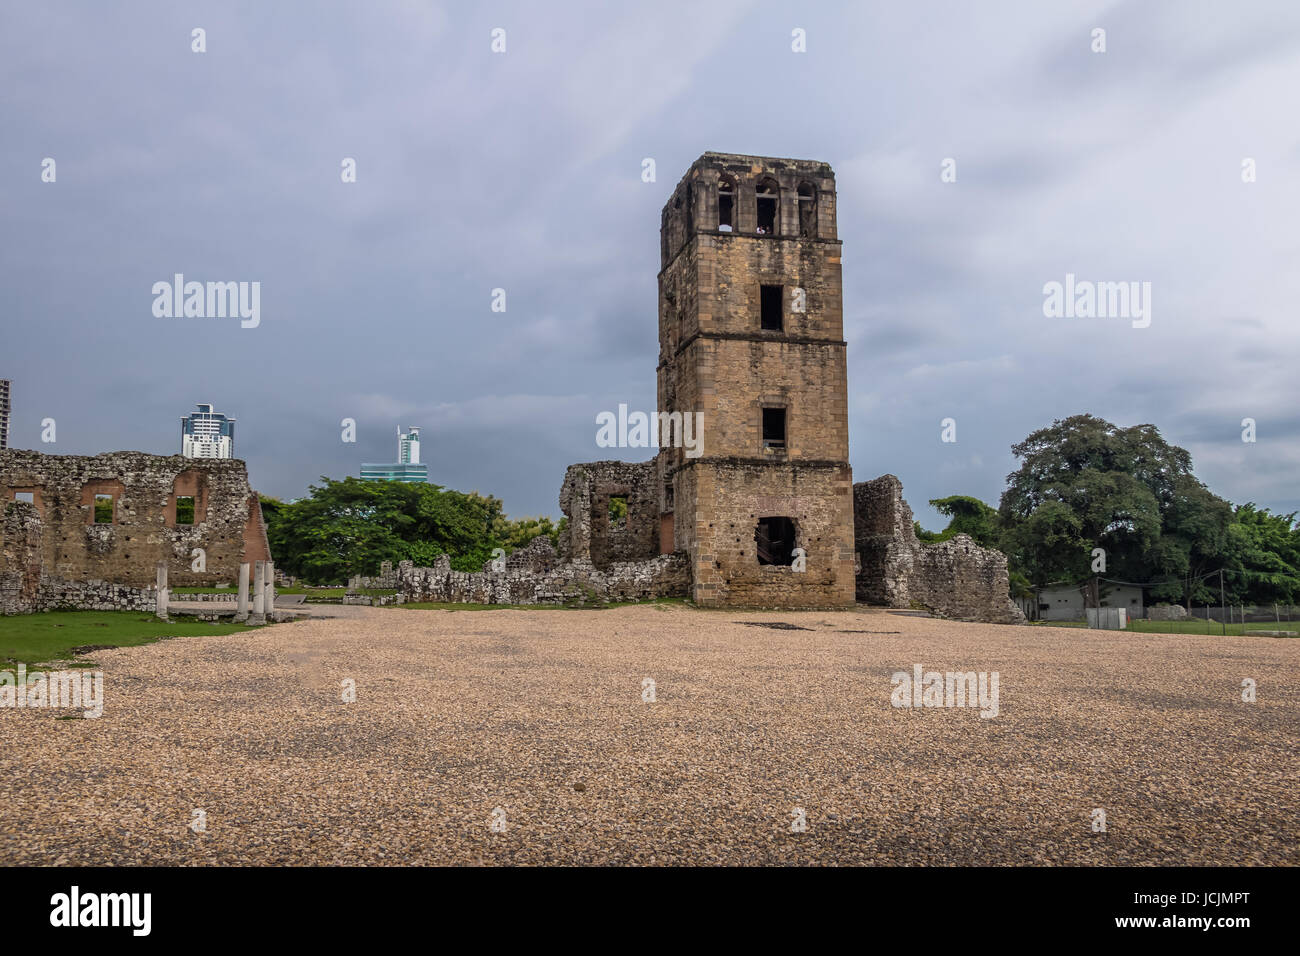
91, 531
750, 334
760, 511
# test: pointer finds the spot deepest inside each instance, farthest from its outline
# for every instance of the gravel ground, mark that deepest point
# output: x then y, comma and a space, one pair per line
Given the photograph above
540, 713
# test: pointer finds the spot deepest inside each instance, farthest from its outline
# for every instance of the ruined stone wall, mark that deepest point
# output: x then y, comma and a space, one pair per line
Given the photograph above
727, 498
25, 589
955, 578
144, 530
584, 499
597, 562
536, 575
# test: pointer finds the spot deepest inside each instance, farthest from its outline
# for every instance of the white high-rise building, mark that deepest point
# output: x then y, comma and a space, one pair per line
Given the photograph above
207, 434
408, 446
407, 466
4, 413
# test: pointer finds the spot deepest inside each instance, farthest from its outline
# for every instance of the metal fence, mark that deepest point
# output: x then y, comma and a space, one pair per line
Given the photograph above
1245, 613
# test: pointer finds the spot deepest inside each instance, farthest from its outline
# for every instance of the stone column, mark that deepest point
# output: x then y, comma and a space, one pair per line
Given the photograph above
259, 594
242, 613
164, 595
270, 591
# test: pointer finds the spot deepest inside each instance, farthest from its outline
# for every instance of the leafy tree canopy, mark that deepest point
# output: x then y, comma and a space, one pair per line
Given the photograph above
351, 526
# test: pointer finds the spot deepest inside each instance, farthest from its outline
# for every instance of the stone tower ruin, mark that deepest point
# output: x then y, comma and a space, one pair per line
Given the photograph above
751, 335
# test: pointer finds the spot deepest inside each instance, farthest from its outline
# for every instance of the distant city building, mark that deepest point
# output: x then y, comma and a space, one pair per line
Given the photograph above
406, 468
207, 434
4, 413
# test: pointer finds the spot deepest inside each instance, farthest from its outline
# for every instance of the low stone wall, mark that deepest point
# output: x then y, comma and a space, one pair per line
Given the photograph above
56, 594
231, 597
535, 575
385, 579
956, 578
373, 600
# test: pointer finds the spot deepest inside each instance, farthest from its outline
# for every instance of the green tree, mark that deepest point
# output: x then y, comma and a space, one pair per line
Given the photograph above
518, 533
351, 526
1264, 557
1084, 483
969, 516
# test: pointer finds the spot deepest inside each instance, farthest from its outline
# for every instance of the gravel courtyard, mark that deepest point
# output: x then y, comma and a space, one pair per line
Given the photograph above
540, 714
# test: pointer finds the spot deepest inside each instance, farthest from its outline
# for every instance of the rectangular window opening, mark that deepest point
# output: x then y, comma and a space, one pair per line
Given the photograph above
185, 509
774, 428
774, 538
103, 509
617, 512
26, 496
771, 306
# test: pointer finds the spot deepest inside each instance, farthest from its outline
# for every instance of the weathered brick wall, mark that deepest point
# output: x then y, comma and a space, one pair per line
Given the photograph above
955, 578
25, 589
144, 530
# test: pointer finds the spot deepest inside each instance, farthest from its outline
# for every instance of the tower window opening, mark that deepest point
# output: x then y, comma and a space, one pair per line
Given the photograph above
767, 199
726, 205
774, 428
771, 306
807, 211
774, 538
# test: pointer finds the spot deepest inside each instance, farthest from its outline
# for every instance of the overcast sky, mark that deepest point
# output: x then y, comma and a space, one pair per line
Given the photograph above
522, 171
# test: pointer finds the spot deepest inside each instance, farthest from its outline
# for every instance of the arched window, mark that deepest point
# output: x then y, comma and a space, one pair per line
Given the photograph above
726, 204
767, 195
807, 211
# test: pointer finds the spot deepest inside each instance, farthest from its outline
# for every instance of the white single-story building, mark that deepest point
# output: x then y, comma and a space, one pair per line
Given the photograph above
1066, 603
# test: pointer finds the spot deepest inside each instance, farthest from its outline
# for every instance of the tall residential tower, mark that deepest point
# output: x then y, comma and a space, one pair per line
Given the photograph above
4, 413
207, 434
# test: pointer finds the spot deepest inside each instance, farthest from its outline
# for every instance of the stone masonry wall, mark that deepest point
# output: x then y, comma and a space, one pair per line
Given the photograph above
25, 589
728, 497
66, 544
955, 578
536, 575
585, 497
722, 354
597, 561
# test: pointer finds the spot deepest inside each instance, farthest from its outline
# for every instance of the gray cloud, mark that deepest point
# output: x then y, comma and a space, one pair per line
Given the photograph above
522, 171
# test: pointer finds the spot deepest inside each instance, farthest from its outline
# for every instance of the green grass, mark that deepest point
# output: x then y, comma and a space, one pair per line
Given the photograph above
440, 606
51, 636
1194, 626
